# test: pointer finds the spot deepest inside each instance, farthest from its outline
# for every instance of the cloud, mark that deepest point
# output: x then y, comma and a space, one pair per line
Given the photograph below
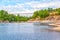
43, 5
29, 7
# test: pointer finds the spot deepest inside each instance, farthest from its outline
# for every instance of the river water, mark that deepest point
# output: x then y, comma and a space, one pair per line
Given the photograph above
26, 31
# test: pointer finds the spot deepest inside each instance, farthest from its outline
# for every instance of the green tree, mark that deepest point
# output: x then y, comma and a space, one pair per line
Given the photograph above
18, 18
43, 13
24, 18
11, 18
50, 9
58, 11
35, 15
3, 15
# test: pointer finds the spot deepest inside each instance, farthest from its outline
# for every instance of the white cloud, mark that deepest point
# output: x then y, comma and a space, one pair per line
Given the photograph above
35, 5
43, 5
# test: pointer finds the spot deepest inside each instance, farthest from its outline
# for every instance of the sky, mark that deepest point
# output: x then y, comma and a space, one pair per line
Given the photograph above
27, 6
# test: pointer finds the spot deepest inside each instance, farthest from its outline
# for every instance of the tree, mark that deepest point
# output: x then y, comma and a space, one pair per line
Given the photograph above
11, 17
3, 15
35, 15
18, 18
58, 10
50, 9
24, 18
43, 13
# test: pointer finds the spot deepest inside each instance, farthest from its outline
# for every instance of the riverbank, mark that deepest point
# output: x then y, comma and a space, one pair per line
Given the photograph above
56, 27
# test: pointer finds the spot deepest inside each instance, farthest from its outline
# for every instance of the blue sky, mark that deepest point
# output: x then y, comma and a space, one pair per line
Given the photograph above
27, 6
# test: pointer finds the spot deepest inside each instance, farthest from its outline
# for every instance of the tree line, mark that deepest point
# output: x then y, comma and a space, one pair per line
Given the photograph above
46, 12
5, 16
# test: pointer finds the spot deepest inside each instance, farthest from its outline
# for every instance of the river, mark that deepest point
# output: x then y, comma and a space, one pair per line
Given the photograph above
26, 31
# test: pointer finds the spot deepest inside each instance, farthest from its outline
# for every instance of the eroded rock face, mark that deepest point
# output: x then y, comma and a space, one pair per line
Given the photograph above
50, 18
54, 18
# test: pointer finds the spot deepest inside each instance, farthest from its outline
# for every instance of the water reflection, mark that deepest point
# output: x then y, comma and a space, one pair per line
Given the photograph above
26, 31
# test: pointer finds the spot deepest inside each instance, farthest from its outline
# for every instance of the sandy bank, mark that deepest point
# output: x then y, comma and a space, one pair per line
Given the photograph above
56, 27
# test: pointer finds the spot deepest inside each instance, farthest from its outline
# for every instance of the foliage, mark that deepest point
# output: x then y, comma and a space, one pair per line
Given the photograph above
50, 9
35, 15
4, 16
24, 18
58, 10
43, 13
46, 12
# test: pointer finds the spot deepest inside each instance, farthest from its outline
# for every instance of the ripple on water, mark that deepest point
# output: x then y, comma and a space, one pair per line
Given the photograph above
26, 31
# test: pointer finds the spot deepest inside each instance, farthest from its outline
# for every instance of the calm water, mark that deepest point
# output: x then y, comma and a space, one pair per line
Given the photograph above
26, 31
